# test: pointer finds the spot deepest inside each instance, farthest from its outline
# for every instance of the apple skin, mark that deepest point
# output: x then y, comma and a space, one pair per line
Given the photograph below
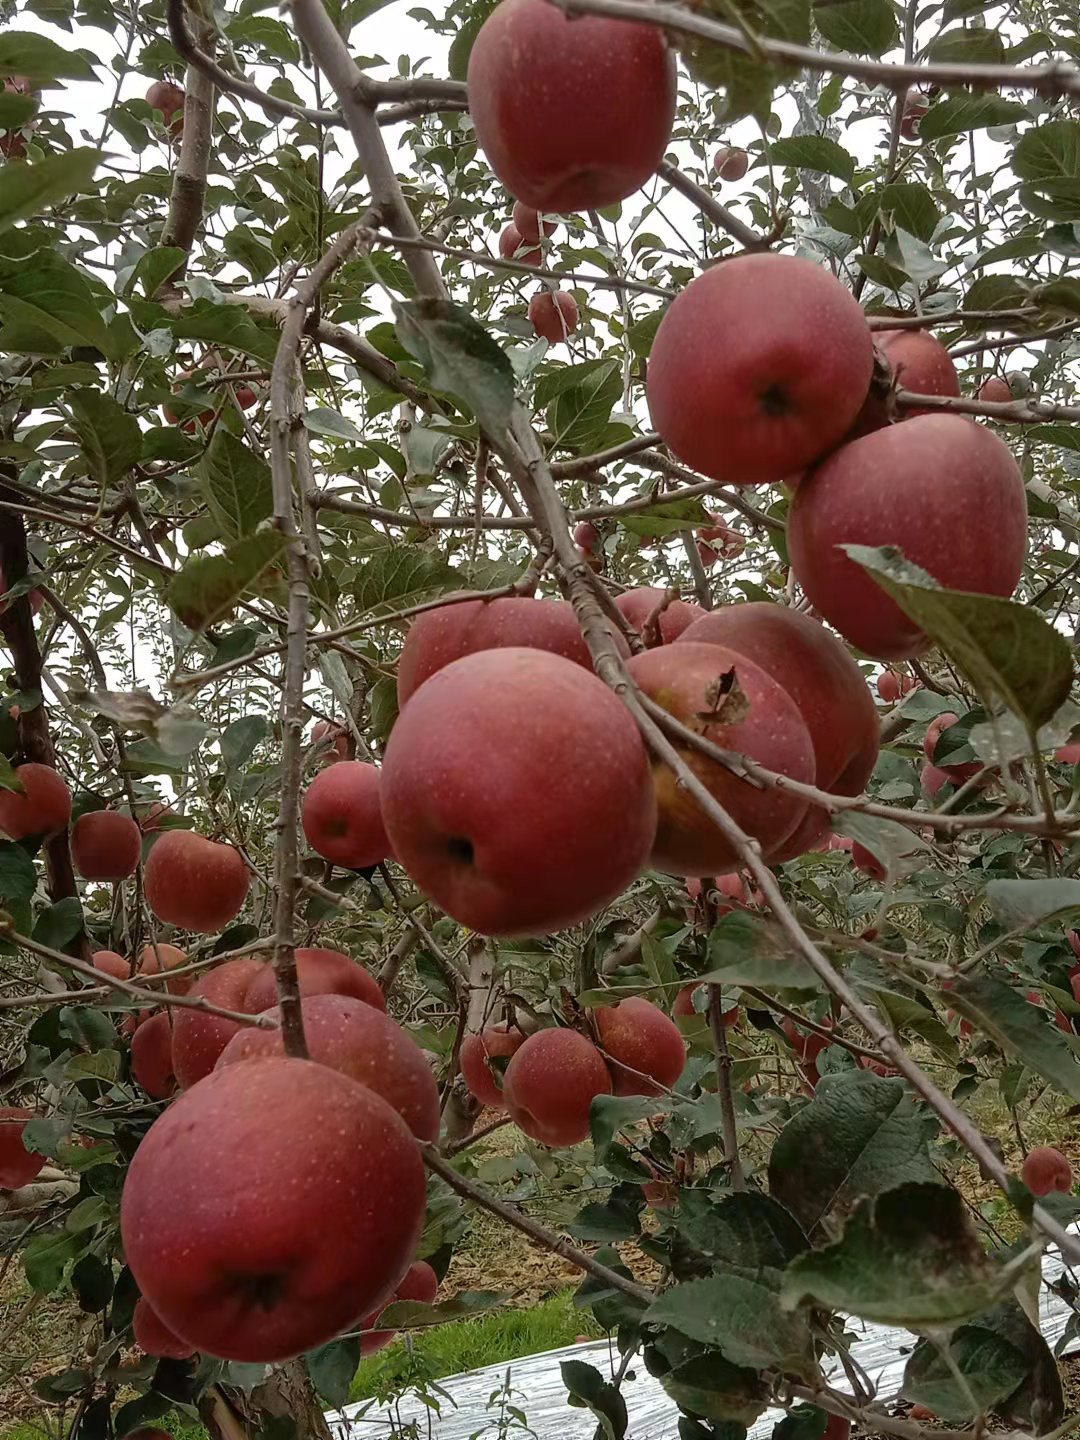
919, 363
193, 882
153, 1336
199, 1038
110, 963
168, 97
527, 223
420, 1283
105, 845
731, 163
342, 816
517, 792
336, 737
932, 780
780, 388
1068, 755
827, 687
937, 727
890, 685
361, 1042
550, 1084
837, 1427
586, 535
151, 1057
18, 1166
158, 957
512, 246
571, 114
947, 492
553, 314
679, 677
269, 1206
450, 632
44, 807
1045, 1170
154, 815
319, 972
643, 1047
866, 861
996, 390
640, 605
493, 1042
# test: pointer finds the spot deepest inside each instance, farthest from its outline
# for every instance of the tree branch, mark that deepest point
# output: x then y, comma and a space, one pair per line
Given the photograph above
723, 1088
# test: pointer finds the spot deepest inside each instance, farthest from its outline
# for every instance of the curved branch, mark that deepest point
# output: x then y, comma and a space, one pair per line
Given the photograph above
711, 208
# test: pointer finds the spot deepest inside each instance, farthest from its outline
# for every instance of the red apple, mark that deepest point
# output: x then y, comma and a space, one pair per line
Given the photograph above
947, 492
759, 368
319, 972
932, 780
553, 314
661, 1195
110, 963
840, 842
198, 1037
1045, 1170
571, 114
921, 1412
361, 1042
915, 107
167, 97
866, 861
158, 957
105, 845
18, 1166
1068, 755
684, 678
527, 222
642, 1046
194, 882
639, 606
707, 554
493, 1042
586, 535
421, 1284
919, 363
151, 1058
153, 1336
513, 247
890, 685
42, 808
439, 636
334, 737
837, 1428
269, 1206
154, 815
827, 687
342, 816
730, 163
550, 1084
995, 390
517, 792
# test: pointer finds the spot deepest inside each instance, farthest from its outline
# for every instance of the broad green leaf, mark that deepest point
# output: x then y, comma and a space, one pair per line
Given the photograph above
1019, 1028
240, 739
1011, 655
156, 266
859, 1135
703, 1382
332, 1368
459, 357
46, 1258
1065, 437
332, 425
967, 47
402, 575
661, 519
910, 207
1061, 296
16, 109
38, 58
1023, 904
742, 1318
92, 1281
60, 923
47, 306
579, 415
896, 847
956, 114
210, 586
748, 1230
746, 950
110, 438
18, 878
28, 190
610, 1113
236, 484
996, 292
588, 1390
612, 1220
415, 1315
1048, 152
908, 1257
746, 83
861, 27
991, 1368
815, 152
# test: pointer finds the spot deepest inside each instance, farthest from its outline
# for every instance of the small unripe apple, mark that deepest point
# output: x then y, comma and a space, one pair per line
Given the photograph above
18, 1166
43, 808
1045, 1170
105, 845
995, 390
730, 162
553, 314
550, 1084
194, 882
513, 247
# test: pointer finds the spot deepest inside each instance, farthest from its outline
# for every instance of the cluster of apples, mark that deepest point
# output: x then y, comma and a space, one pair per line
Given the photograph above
553, 313
554, 1075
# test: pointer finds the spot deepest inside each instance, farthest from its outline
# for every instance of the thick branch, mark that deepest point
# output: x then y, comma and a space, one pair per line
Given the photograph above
711, 208
189, 179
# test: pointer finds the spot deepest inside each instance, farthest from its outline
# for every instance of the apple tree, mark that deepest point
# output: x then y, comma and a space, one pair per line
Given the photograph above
538, 554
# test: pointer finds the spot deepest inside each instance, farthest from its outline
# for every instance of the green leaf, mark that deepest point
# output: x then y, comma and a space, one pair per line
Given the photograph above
704, 1382
236, 484
210, 586
46, 1257
16, 109
1019, 1028
92, 1281
156, 266
745, 950
967, 47
1065, 437
18, 878
332, 425
861, 27
579, 413
415, 1315
459, 357
956, 114
1023, 904
610, 1113
240, 739
402, 574
28, 190
910, 207
908, 1257
991, 1368
1060, 296
110, 438
748, 1230
742, 1318
38, 58
60, 923
47, 306
1048, 152
588, 1390
815, 152
1011, 655
332, 1368
860, 1135
746, 83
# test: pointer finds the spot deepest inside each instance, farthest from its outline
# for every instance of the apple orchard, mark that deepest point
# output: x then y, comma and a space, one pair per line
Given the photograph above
539, 584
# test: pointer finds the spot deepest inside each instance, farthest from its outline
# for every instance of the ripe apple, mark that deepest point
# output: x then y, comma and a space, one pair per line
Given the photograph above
153, 1336
18, 1166
996, 390
730, 163
919, 363
439, 636
43, 807
1046, 1169
684, 1007
827, 687
342, 816
105, 845
586, 535
706, 553
807, 1044
642, 1046
572, 114
159, 957
319, 972
1068, 755
361, 1042
421, 1284
513, 247
517, 792
639, 606
731, 546
154, 815
866, 861
110, 963
493, 1042
915, 107
194, 882
684, 678
198, 1037
840, 842
528, 222
944, 490
891, 685
553, 314
151, 1057
269, 1206
837, 1428
550, 1084
334, 737
168, 97
932, 780
937, 727
921, 1412
759, 368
